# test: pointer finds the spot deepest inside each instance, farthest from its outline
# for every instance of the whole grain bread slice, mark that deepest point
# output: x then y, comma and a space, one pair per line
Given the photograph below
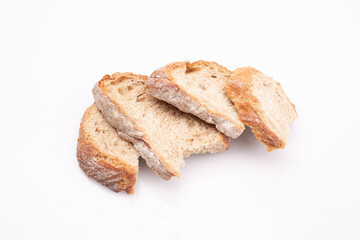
162, 134
198, 88
262, 105
103, 155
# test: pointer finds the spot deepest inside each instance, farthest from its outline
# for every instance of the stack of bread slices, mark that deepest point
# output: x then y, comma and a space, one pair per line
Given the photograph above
183, 108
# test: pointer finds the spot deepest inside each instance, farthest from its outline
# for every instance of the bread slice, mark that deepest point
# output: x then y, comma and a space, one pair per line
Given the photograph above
103, 155
262, 105
198, 88
162, 134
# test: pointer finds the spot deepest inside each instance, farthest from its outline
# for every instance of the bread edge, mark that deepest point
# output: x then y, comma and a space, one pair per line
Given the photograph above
161, 86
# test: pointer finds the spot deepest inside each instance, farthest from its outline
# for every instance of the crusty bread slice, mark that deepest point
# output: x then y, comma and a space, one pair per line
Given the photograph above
162, 134
262, 105
103, 155
198, 88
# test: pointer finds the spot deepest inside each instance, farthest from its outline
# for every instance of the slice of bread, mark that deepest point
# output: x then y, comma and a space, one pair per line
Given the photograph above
262, 105
103, 155
198, 88
162, 134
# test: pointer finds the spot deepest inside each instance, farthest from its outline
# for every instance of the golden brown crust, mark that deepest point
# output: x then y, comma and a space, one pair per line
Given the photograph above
248, 106
118, 77
98, 165
165, 72
202, 63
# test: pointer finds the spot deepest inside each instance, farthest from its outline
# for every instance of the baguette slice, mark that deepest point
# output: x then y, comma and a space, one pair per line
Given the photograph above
162, 134
262, 105
103, 155
198, 88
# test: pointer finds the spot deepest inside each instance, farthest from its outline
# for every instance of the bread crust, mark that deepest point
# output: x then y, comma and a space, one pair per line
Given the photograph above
128, 129
93, 162
248, 106
162, 86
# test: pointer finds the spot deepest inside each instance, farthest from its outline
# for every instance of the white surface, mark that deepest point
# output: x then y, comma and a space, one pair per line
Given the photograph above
51, 54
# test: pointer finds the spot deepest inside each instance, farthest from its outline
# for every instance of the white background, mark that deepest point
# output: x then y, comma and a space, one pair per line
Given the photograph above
52, 53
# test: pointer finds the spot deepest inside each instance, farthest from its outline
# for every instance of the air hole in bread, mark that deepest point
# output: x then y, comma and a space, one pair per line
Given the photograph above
130, 87
191, 69
140, 97
121, 91
119, 79
203, 86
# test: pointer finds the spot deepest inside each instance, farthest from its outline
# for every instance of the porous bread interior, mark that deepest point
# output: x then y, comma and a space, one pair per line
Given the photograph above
206, 81
276, 109
200, 137
170, 132
105, 138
